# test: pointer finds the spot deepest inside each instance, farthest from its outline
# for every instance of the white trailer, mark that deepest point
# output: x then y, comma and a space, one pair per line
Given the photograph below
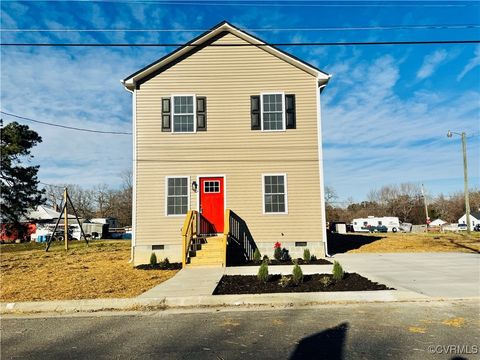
366, 224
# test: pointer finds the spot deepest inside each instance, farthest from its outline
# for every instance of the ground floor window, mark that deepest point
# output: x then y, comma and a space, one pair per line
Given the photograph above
275, 194
177, 195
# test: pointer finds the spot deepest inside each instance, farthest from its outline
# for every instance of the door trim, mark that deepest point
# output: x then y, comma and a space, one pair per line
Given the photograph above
224, 191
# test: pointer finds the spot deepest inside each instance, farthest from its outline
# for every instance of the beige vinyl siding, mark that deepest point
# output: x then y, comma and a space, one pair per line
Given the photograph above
228, 76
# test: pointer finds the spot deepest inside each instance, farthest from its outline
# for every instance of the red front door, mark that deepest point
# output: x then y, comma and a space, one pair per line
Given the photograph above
212, 204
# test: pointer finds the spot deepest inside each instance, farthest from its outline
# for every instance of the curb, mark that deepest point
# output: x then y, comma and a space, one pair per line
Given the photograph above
215, 301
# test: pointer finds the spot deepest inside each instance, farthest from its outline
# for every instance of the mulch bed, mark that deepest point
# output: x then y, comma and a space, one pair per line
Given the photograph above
276, 262
249, 284
160, 266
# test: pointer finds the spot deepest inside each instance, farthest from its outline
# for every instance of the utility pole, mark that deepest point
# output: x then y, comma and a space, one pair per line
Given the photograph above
463, 135
65, 219
465, 181
427, 218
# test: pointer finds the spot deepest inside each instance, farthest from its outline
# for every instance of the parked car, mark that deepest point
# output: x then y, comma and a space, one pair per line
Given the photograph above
379, 228
462, 227
476, 227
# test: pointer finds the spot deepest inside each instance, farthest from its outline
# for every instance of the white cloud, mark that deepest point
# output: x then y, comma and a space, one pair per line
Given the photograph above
430, 63
474, 62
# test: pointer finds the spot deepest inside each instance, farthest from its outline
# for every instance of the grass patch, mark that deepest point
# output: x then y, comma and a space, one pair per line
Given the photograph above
422, 242
101, 270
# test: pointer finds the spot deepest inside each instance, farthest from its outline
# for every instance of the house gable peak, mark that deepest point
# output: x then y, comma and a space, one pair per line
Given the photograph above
211, 35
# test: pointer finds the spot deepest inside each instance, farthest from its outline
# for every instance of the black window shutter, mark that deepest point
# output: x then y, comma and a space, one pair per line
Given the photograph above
201, 113
166, 114
290, 111
255, 112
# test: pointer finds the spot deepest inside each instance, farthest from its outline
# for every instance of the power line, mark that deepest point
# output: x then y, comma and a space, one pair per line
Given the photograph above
380, 27
353, 43
66, 127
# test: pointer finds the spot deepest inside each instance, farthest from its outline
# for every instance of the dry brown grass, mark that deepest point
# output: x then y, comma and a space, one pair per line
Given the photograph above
422, 242
100, 270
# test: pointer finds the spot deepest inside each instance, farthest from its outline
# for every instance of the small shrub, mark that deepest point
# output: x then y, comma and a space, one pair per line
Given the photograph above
284, 281
306, 256
153, 260
266, 259
165, 264
256, 255
338, 272
313, 258
277, 252
297, 275
285, 255
325, 281
262, 274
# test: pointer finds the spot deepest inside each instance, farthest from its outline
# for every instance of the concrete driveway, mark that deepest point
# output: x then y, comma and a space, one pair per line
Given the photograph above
449, 275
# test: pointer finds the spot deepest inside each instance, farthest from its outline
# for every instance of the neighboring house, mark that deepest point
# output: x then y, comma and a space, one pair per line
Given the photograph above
227, 142
474, 219
437, 222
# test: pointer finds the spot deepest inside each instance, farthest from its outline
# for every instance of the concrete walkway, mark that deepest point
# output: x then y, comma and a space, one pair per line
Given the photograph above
447, 275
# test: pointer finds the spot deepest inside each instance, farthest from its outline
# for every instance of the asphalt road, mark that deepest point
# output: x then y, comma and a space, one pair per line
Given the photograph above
423, 330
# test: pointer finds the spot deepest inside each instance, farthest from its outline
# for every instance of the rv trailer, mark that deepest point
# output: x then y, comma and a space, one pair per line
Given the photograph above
373, 223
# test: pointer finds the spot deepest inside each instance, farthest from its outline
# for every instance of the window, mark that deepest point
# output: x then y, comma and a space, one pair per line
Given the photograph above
275, 194
211, 186
184, 113
273, 114
177, 195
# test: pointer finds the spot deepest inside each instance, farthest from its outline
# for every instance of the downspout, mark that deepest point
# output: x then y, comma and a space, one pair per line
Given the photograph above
320, 166
134, 170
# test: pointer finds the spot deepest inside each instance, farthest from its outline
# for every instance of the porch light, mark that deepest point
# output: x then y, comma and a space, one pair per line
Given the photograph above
194, 186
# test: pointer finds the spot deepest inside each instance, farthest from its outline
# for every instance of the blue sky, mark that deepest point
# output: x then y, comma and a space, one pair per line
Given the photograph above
385, 113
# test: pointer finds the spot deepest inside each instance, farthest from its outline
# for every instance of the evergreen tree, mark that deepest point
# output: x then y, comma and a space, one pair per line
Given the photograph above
18, 182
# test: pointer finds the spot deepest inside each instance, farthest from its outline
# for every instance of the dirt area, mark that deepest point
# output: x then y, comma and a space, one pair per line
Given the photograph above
100, 270
249, 284
399, 242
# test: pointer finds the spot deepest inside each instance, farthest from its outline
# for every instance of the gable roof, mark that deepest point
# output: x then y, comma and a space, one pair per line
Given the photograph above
142, 75
475, 214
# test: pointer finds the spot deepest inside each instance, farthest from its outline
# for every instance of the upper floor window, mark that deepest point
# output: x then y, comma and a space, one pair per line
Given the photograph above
183, 113
273, 112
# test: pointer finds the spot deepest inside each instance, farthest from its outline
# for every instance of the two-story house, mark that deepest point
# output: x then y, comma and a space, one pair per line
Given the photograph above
226, 150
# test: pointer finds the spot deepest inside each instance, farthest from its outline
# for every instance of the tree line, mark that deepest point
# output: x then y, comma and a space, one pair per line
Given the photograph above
404, 201
98, 202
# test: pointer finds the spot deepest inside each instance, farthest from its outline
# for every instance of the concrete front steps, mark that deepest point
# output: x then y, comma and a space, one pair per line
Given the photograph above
211, 253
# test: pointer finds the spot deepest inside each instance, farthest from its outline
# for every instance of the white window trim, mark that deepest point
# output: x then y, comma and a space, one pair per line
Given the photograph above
166, 194
286, 194
172, 106
284, 125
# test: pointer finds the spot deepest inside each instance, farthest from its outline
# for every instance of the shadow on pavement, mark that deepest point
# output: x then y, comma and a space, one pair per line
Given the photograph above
327, 344
341, 243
